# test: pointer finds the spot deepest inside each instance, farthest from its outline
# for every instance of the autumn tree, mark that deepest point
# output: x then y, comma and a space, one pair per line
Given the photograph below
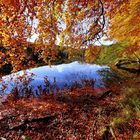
125, 27
64, 23
57, 23
15, 28
91, 53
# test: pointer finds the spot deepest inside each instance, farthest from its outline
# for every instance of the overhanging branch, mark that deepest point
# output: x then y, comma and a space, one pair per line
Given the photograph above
97, 34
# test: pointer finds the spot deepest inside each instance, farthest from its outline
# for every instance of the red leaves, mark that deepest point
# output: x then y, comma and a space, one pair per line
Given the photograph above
76, 114
6, 2
51, 21
14, 3
135, 124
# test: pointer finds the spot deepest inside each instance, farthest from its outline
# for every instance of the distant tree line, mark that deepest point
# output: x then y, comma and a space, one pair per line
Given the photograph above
33, 58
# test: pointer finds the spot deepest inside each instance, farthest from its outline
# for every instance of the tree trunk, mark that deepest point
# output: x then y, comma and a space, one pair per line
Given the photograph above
122, 64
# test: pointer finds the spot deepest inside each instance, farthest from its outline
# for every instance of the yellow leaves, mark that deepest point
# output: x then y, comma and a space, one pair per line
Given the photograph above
11, 54
91, 53
5, 39
125, 23
81, 15
56, 20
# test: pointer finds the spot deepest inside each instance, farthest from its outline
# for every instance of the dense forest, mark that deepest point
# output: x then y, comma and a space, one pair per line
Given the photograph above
62, 36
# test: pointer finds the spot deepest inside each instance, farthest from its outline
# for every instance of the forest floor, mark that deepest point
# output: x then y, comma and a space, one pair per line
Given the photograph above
111, 113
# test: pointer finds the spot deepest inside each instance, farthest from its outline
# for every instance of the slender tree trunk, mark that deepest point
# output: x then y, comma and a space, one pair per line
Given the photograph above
139, 64
138, 58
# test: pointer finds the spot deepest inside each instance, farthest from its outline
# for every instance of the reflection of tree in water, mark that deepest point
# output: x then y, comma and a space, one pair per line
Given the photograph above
3, 86
20, 83
80, 79
50, 87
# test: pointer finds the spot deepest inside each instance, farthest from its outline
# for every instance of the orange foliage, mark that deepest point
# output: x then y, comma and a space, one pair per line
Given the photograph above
79, 114
50, 20
91, 53
124, 24
66, 23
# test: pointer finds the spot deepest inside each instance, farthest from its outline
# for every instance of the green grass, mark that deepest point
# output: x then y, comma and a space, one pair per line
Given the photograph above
110, 54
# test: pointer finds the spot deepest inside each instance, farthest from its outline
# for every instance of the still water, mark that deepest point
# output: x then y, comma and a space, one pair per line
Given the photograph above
60, 75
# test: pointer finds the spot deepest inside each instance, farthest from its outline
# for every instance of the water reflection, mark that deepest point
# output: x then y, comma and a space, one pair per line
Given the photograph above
58, 77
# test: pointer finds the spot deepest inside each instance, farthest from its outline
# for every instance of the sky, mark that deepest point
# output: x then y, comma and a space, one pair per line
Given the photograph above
102, 41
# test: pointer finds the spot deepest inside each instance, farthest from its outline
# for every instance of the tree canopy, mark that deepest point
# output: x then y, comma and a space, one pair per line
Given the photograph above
124, 24
64, 23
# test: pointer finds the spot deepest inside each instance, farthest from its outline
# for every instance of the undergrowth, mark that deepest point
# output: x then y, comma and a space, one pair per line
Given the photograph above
85, 112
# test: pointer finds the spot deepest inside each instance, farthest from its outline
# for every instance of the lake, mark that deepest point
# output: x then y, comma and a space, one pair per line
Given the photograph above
63, 76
